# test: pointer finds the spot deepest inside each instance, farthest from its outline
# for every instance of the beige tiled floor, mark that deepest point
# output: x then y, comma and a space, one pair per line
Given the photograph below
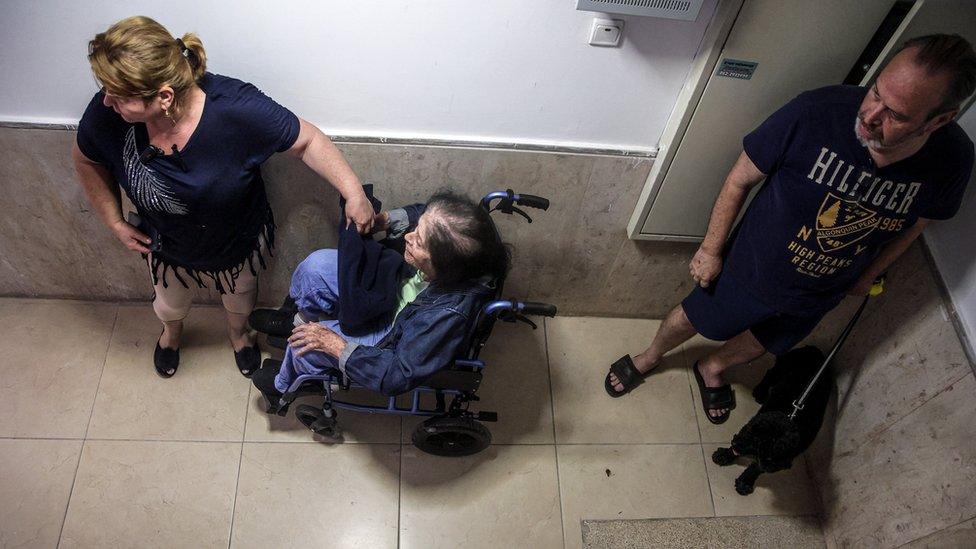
97, 451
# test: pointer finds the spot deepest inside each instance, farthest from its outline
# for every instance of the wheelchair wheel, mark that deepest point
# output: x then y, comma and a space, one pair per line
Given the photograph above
315, 419
451, 436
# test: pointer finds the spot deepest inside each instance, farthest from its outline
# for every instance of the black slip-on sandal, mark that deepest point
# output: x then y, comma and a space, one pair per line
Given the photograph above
715, 398
248, 359
627, 374
165, 360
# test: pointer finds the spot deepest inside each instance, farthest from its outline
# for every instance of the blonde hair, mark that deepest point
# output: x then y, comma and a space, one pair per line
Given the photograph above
137, 56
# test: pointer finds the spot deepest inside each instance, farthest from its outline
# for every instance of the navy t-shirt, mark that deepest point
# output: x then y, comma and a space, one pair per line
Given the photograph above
208, 217
826, 210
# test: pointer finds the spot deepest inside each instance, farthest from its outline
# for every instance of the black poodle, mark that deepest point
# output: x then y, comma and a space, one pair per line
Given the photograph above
771, 437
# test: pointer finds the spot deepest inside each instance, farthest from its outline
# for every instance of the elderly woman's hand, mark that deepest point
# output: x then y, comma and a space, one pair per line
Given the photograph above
315, 337
382, 221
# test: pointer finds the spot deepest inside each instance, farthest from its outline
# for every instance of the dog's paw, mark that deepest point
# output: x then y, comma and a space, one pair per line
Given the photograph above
723, 456
743, 488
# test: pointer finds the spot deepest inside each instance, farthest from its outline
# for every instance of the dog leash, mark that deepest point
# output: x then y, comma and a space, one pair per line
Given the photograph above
876, 289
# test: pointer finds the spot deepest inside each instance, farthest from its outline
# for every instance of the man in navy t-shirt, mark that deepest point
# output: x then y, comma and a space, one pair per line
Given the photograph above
853, 177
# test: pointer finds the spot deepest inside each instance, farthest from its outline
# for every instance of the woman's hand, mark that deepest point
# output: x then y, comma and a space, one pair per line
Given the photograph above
704, 267
315, 337
131, 237
360, 211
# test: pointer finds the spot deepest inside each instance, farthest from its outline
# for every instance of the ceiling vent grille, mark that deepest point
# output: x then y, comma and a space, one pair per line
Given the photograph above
686, 10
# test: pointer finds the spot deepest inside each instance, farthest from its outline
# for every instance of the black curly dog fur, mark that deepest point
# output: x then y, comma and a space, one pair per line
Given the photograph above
770, 437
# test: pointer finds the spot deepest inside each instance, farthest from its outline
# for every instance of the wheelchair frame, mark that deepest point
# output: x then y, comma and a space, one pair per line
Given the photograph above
462, 433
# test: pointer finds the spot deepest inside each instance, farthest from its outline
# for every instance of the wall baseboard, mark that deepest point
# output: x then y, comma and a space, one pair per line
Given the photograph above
417, 141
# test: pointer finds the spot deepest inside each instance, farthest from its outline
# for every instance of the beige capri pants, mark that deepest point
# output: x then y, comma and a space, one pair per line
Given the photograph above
172, 302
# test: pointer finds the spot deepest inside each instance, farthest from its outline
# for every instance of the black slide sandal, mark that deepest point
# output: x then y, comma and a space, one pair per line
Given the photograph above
165, 360
715, 398
248, 359
627, 374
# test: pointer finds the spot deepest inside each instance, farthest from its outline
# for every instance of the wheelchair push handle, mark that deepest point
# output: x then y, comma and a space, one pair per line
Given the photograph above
532, 201
509, 198
537, 309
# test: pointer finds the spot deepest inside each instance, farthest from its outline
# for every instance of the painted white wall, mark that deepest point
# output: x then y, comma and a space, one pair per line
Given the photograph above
493, 70
954, 249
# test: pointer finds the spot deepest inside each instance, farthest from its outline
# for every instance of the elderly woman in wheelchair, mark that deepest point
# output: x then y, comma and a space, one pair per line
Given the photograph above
433, 303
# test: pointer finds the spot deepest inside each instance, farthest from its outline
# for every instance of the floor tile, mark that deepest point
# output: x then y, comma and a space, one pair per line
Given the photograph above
53, 352
152, 494
787, 492
37, 477
205, 400
506, 496
311, 495
742, 378
580, 353
515, 386
633, 481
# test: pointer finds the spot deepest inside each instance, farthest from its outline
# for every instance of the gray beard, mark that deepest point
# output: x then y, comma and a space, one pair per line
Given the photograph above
867, 143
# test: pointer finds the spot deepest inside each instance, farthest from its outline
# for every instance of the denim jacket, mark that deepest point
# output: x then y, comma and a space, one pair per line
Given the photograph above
426, 337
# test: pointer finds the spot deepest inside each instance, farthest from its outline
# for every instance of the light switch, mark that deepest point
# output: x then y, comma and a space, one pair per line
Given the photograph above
606, 32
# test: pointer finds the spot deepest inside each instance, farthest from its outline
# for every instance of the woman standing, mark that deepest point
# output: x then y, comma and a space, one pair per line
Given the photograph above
187, 147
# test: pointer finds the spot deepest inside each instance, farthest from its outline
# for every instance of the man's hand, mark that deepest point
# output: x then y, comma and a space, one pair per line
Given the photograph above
131, 237
315, 337
704, 267
360, 211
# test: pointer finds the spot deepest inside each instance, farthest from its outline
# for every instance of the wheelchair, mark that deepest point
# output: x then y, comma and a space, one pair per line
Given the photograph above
451, 427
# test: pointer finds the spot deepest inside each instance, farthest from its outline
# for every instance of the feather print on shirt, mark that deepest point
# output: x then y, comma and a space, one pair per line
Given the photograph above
147, 188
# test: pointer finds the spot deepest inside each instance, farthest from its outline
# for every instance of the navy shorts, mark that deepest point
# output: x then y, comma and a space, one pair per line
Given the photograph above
730, 310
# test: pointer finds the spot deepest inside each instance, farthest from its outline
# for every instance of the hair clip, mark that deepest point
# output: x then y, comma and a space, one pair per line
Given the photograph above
183, 49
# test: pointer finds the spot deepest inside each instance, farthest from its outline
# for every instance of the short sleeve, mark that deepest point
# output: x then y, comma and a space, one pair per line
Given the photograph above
270, 127
947, 203
94, 130
767, 144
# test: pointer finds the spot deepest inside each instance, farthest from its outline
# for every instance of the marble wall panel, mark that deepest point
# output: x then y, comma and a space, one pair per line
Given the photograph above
888, 463
576, 255
912, 480
960, 535
52, 243
902, 353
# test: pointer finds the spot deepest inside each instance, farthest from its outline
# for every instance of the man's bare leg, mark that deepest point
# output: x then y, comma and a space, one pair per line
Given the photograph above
741, 349
675, 330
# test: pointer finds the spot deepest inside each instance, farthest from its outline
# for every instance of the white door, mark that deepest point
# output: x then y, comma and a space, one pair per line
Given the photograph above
797, 45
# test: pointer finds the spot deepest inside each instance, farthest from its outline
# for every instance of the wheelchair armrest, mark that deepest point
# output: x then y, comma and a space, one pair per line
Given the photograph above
527, 307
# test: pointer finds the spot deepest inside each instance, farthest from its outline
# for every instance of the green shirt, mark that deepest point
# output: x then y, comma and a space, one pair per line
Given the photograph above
410, 290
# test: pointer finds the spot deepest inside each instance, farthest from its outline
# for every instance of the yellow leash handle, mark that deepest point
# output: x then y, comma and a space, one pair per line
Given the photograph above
878, 287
